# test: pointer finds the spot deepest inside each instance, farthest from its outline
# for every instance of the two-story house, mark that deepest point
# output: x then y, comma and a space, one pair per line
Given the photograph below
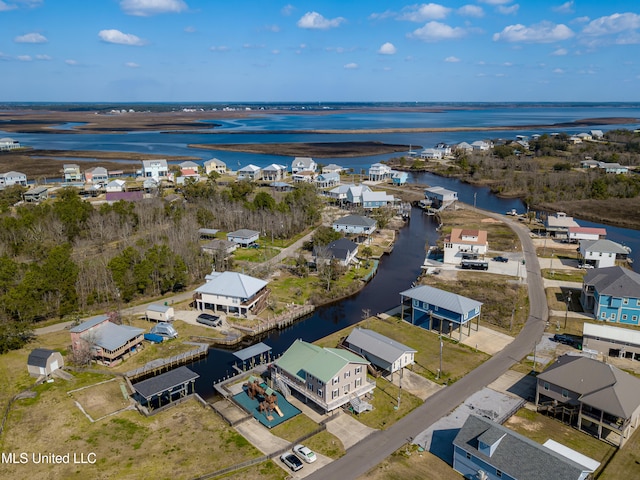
356, 225
215, 165
231, 292
602, 253
96, 176
462, 244
156, 169
440, 197
379, 172
71, 173
329, 377
344, 251
303, 164
274, 172
12, 178
249, 173
612, 294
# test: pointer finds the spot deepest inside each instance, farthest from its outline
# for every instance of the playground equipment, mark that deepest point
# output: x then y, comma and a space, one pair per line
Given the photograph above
253, 388
268, 400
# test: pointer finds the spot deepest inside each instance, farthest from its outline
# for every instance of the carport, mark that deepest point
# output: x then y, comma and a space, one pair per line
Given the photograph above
250, 353
166, 388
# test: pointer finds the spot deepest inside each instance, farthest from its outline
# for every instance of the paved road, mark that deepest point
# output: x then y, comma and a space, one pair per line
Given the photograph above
365, 455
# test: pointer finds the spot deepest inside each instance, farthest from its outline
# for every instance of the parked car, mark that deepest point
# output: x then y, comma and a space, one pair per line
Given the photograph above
254, 245
585, 265
500, 259
291, 461
565, 339
305, 453
165, 329
208, 319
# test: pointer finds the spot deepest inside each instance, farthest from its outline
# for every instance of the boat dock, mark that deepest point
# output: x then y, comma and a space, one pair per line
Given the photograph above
160, 365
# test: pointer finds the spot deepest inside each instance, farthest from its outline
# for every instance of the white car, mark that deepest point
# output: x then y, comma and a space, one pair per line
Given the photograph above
305, 453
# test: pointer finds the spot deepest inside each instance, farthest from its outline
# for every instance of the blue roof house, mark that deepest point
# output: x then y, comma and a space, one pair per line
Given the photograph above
612, 294
432, 308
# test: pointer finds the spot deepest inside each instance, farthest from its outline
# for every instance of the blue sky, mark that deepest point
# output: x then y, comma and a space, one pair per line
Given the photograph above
319, 51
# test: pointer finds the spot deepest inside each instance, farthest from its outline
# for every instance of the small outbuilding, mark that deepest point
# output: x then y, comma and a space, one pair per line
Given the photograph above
160, 313
381, 351
43, 362
161, 390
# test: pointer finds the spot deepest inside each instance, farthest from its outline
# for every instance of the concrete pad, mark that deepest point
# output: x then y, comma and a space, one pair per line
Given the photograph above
260, 437
349, 430
516, 384
230, 410
416, 384
308, 468
486, 340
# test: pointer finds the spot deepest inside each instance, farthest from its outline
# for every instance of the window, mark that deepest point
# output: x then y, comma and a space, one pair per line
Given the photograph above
603, 315
320, 393
624, 316
634, 318
499, 473
468, 456
336, 380
625, 301
565, 393
358, 370
310, 387
358, 382
346, 389
347, 374
335, 393
546, 386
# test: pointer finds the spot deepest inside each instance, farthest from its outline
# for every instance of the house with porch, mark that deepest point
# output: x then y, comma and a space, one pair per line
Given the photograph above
9, 179
303, 164
116, 185
106, 342
435, 309
96, 176
464, 147
612, 167
332, 168
378, 172
356, 225
342, 250
602, 253
243, 237
558, 225
71, 173
189, 169
440, 197
484, 449
481, 146
214, 165
303, 177
464, 244
328, 377
349, 193
250, 173
431, 154
274, 172
599, 398
372, 200
36, 194
231, 292
383, 352
7, 144
612, 294
327, 180
156, 169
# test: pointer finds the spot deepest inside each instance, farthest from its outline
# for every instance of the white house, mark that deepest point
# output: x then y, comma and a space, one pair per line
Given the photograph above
231, 292
464, 147
602, 253
303, 164
349, 193
613, 168
243, 237
379, 172
355, 224
116, 185
381, 351
332, 168
462, 244
71, 173
215, 165
250, 172
440, 197
12, 178
7, 143
96, 176
274, 172
596, 134
303, 176
431, 154
586, 233
156, 169
481, 145
160, 313
326, 180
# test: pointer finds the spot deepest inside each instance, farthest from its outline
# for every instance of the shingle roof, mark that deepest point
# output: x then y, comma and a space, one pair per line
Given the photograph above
39, 357
615, 281
382, 347
605, 246
167, 381
599, 384
447, 300
341, 248
232, 284
356, 220
515, 455
215, 161
322, 363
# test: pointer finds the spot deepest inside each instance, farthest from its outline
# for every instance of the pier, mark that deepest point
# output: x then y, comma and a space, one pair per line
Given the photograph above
161, 365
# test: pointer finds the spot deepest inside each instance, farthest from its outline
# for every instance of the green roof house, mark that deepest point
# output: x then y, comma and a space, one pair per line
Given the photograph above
329, 377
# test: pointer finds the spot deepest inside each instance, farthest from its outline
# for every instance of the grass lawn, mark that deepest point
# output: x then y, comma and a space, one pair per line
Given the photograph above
324, 442
625, 461
562, 275
408, 463
126, 445
385, 401
264, 471
556, 298
541, 428
101, 399
255, 254
290, 289
458, 359
499, 235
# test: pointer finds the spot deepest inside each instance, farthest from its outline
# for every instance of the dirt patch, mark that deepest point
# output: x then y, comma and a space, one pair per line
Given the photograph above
490, 220
101, 399
523, 423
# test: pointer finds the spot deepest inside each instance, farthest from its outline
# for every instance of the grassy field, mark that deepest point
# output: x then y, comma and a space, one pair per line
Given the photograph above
557, 296
408, 463
541, 428
561, 275
101, 399
126, 445
624, 462
458, 359
500, 237
324, 442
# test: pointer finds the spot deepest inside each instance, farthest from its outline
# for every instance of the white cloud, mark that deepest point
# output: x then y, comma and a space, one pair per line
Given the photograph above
116, 36
315, 21
5, 8
351, 66
132, 65
24, 58
495, 2
424, 12
71, 62
545, 32
566, 7
558, 71
471, 11
43, 57
383, 16
452, 59
616, 23
510, 10
387, 49
190, 29
252, 46
219, 48
146, 8
275, 52
31, 38
272, 28
507, 64
287, 10
560, 52
434, 31
584, 19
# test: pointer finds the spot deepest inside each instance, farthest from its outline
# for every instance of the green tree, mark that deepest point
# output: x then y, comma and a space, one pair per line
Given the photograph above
72, 211
122, 270
324, 236
264, 201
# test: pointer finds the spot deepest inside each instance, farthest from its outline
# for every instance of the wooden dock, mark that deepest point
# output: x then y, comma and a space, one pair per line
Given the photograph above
161, 365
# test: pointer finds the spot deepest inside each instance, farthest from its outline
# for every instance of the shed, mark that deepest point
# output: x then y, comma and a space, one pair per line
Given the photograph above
160, 313
42, 361
381, 351
165, 388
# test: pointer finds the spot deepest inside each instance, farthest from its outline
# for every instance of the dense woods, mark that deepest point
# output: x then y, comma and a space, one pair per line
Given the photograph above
67, 257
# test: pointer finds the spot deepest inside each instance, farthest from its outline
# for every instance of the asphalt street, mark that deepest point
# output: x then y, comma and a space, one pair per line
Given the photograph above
371, 451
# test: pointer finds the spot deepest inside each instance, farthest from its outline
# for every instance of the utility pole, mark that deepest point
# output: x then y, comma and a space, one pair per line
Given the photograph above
566, 312
534, 357
440, 369
400, 388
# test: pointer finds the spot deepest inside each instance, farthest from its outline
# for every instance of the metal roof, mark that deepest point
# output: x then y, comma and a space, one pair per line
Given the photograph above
600, 385
39, 357
609, 332
441, 298
605, 246
252, 351
88, 323
243, 233
165, 382
382, 347
154, 307
516, 455
615, 281
356, 220
322, 363
110, 336
232, 284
